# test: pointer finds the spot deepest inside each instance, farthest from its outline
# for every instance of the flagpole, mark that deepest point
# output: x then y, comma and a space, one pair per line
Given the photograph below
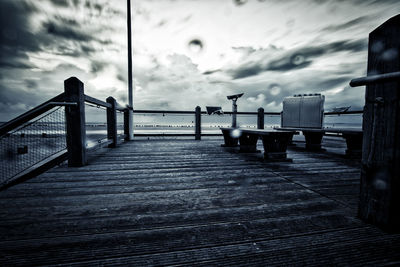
130, 81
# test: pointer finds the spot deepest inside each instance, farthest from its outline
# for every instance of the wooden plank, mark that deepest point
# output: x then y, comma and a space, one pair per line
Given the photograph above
197, 209
164, 240
52, 226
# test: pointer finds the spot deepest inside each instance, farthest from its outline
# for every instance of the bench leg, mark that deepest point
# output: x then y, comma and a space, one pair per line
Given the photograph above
354, 145
313, 140
248, 143
275, 146
291, 141
229, 140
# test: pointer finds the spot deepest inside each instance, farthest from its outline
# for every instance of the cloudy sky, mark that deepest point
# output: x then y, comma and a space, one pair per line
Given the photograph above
186, 52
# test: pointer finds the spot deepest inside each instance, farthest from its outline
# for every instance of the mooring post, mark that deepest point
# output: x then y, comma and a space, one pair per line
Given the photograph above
75, 122
112, 121
198, 123
380, 175
128, 123
260, 118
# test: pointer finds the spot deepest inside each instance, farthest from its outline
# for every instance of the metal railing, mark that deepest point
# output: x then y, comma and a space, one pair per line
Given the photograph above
57, 130
33, 137
179, 123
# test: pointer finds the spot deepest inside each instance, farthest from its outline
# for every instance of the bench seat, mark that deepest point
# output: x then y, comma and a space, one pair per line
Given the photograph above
275, 142
313, 136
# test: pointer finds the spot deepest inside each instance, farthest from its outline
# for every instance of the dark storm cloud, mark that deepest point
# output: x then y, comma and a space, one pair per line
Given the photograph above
347, 24
31, 84
246, 70
62, 3
208, 72
8, 101
288, 63
97, 66
333, 82
66, 31
15, 37
296, 59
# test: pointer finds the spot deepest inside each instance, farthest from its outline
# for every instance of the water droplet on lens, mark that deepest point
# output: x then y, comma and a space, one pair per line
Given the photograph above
377, 47
298, 59
236, 133
196, 46
380, 184
274, 89
239, 2
390, 54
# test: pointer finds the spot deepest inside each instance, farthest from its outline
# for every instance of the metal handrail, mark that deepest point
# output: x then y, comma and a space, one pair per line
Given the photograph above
386, 77
27, 116
145, 111
344, 113
101, 103
96, 102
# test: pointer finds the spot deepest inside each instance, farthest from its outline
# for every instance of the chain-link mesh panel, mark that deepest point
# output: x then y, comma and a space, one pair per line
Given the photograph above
32, 143
96, 124
120, 124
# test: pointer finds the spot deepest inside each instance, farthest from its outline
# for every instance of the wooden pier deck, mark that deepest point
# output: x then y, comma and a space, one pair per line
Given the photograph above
194, 203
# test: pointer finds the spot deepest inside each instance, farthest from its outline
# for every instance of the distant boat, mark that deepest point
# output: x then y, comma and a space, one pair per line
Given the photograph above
341, 109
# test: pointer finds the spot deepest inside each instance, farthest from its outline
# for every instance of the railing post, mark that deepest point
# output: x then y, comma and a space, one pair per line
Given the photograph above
75, 122
260, 118
380, 174
198, 123
128, 123
112, 121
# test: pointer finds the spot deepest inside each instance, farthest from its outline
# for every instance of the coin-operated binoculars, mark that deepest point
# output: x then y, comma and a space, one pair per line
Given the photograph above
234, 98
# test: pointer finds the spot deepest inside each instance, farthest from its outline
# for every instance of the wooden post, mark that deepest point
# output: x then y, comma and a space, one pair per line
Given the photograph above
260, 118
380, 175
198, 123
112, 121
127, 123
75, 122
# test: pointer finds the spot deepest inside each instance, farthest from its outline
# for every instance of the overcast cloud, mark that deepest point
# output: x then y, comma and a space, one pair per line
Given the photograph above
187, 53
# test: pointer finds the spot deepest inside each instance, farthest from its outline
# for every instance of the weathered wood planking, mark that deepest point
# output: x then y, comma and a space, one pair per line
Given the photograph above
186, 202
380, 180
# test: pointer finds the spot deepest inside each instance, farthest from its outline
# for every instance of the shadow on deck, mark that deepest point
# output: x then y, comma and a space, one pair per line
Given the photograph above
185, 202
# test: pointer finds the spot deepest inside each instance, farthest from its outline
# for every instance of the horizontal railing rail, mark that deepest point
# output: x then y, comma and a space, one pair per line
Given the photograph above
343, 113
149, 111
146, 111
33, 113
96, 102
379, 78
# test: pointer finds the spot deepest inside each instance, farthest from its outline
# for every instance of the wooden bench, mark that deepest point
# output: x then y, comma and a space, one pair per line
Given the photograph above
275, 142
313, 136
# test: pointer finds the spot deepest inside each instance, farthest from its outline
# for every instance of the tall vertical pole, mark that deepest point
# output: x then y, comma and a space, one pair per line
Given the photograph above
130, 81
234, 111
